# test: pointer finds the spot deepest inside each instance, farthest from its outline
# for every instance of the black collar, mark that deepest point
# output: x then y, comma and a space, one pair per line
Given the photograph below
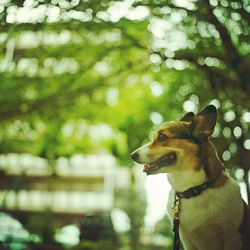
194, 191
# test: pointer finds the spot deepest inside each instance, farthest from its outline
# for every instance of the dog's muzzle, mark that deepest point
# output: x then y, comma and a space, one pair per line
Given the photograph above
165, 161
135, 156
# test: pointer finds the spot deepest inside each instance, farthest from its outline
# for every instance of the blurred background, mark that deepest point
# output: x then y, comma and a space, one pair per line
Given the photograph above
83, 83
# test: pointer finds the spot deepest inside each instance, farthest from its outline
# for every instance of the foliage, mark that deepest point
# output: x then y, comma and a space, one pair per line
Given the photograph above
38, 224
132, 201
98, 245
88, 76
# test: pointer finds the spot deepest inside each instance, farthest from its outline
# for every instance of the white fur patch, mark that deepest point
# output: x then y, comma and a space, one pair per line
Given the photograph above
212, 219
143, 153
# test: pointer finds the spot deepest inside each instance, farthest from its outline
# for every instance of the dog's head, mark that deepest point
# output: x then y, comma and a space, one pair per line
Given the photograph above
176, 145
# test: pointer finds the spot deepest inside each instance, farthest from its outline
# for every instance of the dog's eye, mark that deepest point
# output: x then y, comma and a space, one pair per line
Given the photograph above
161, 137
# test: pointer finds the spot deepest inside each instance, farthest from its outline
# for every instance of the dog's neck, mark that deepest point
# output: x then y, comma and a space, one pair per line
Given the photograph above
184, 180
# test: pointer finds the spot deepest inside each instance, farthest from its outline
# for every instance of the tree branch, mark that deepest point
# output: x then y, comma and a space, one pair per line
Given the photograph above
231, 51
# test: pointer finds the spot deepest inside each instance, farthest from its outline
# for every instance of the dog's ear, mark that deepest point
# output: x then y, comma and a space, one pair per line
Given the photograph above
204, 122
188, 117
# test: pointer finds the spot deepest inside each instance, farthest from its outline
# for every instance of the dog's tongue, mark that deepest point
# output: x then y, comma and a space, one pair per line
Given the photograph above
147, 168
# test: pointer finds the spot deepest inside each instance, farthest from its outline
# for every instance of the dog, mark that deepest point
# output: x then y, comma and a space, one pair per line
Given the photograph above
204, 199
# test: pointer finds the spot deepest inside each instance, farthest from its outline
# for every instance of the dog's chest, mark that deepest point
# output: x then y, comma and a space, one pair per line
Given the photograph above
214, 206
192, 212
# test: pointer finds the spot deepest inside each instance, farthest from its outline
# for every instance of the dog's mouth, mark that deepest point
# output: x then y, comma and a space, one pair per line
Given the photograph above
164, 161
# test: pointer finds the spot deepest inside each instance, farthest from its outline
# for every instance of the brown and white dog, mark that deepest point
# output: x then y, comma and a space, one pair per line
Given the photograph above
216, 218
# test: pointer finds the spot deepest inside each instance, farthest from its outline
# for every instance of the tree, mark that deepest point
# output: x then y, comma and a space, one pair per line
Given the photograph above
215, 36
70, 65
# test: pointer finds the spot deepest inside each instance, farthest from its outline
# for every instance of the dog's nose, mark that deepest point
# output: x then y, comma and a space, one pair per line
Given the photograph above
135, 156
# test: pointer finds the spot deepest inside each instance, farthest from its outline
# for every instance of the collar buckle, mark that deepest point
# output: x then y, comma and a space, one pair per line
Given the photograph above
176, 206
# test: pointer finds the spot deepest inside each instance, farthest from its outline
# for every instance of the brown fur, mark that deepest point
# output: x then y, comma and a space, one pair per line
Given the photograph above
221, 182
210, 160
176, 129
